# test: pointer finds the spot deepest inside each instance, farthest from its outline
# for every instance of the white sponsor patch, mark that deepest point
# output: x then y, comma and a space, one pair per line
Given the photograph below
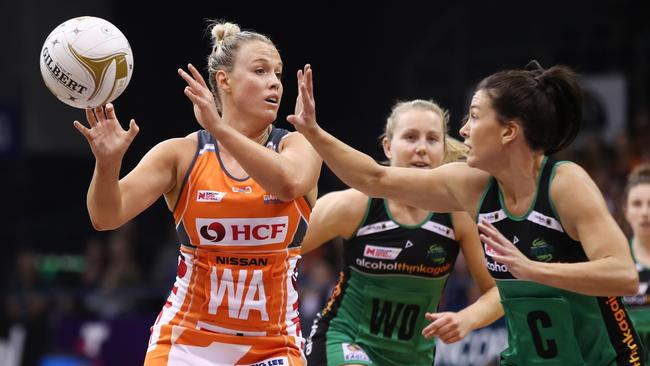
377, 227
352, 352
263, 230
547, 221
439, 229
492, 217
244, 189
209, 196
374, 251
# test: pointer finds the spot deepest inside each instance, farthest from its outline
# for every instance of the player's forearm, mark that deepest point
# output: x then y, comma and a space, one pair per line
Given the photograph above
271, 170
602, 277
353, 167
104, 199
485, 310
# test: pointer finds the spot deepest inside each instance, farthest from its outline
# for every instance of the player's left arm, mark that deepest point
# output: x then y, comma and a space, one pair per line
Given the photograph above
450, 326
586, 218
584, 215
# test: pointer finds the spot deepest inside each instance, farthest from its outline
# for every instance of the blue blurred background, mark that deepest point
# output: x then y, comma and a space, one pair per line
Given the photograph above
73, 296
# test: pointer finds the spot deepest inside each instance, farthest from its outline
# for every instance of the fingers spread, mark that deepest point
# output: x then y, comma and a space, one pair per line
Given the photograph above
190, 94
81, 128
133, 129
496, 245
99, 113
197, 75
110, 111
484, 228
187, 77
90, 116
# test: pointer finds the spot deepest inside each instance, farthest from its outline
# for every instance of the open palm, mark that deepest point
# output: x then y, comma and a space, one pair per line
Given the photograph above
107, 139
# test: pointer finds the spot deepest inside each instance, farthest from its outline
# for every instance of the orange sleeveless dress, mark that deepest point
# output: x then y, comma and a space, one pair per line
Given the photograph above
234, 301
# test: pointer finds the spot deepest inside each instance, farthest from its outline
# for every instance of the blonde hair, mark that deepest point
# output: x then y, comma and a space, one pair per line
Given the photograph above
454, 149
227, 38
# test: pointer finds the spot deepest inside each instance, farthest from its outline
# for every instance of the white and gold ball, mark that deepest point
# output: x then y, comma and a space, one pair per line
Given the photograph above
86, 62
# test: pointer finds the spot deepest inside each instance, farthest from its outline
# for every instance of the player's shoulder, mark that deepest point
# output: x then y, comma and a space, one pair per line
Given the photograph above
347, 202
176, 147
194, 136
180, 142
568, 176
350, 196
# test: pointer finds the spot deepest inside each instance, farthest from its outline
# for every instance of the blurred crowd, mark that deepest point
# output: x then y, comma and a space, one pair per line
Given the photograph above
118, 277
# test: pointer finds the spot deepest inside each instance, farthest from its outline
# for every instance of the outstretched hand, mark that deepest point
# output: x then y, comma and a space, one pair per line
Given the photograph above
304, 117
106, 137
197, 91
505, 251
449, 327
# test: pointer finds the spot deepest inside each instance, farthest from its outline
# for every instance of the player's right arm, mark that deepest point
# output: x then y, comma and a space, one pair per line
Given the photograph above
335, 214
450, 187
111, 201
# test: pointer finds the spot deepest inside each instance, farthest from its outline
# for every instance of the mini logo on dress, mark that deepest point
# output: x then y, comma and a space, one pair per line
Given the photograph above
244, 189
541, 250
489, 250
270, 199
352, 352
209, 196
374, 251
437, 254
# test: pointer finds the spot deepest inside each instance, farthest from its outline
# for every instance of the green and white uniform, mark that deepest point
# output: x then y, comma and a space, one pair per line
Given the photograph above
639, 305
548, 325
393, 274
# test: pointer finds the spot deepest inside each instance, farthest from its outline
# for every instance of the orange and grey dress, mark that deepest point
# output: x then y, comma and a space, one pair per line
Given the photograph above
234, 301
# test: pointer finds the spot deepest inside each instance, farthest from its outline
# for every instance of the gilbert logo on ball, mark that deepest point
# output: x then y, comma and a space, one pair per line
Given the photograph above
86, 62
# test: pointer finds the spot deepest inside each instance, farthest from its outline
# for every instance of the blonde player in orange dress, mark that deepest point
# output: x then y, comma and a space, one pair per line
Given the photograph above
240, 192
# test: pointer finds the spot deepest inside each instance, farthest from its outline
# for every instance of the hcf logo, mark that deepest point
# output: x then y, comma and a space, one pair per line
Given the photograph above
242, 231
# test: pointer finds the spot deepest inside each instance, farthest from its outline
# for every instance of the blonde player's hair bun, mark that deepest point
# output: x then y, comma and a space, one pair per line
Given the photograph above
221, 31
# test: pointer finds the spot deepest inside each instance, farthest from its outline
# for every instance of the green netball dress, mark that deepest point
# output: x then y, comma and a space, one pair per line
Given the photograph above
547, 325
393, 274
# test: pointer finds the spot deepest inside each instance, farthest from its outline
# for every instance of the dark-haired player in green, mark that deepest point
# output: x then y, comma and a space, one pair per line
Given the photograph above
560, 260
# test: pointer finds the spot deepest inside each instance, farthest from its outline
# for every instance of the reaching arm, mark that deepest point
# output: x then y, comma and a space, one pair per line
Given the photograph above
288, 175
451, 327
335, 214
442, 189
112, 202
583, 213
